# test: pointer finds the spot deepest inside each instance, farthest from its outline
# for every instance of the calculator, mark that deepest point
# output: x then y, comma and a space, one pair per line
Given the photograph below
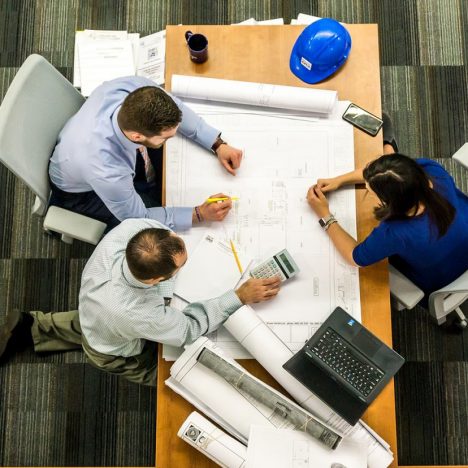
281, 264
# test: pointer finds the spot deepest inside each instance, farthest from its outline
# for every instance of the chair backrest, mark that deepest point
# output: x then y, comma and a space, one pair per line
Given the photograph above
448, 298
36, 106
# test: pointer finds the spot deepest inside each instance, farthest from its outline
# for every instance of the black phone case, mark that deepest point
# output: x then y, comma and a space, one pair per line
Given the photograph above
354, 124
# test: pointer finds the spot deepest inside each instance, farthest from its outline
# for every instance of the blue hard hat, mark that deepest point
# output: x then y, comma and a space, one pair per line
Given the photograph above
320, 50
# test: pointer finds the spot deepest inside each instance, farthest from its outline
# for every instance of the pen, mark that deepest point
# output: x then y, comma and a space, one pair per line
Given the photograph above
214, 200
236, 257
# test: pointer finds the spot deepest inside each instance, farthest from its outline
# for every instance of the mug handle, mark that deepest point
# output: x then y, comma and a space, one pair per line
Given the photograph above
188, 35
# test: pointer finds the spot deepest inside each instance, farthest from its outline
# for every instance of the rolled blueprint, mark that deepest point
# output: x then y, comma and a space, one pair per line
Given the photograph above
255, 94
281, 406
234, 410
214, 443
268, 349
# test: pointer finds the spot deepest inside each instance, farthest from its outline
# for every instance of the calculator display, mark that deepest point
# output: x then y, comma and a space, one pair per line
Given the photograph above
285, 260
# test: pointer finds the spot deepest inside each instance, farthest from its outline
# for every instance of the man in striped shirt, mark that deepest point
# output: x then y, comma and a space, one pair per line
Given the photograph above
124, 308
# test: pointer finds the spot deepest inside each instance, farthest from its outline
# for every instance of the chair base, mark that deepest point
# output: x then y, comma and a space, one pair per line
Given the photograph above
459, 318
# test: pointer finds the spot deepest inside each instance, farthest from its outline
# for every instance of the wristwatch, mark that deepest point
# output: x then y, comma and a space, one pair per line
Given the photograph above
326, 222
219, 141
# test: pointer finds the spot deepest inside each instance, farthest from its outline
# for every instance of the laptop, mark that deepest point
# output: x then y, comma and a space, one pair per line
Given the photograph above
345, 365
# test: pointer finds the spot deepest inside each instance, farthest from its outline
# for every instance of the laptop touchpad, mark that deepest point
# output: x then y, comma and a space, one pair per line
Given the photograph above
366, 342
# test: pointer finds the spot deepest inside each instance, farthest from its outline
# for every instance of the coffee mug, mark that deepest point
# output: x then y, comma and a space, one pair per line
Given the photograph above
198, 47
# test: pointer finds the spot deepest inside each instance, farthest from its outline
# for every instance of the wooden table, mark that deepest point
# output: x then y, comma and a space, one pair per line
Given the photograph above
261, 54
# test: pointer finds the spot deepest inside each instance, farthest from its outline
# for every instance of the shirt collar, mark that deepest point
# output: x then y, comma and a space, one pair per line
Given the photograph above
131, 280
124, 141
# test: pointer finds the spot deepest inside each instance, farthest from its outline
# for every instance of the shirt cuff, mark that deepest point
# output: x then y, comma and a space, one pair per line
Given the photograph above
182, 218
175, 218
230, 302
208, 136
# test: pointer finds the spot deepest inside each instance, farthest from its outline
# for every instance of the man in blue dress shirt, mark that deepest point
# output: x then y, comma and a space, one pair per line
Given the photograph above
108, 155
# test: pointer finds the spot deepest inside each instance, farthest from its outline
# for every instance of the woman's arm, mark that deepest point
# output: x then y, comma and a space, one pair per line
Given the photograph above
343, 242
353, 177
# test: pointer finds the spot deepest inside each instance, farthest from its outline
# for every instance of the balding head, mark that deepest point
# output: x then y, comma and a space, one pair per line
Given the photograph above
155, 253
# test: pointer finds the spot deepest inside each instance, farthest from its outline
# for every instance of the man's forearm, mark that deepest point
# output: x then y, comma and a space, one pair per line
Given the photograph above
343, 242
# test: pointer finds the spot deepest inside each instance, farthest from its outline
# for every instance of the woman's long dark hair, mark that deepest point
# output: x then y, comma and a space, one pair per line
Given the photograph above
402, 185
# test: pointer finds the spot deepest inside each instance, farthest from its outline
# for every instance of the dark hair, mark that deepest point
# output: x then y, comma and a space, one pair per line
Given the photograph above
150, 253
401, 185
149, 111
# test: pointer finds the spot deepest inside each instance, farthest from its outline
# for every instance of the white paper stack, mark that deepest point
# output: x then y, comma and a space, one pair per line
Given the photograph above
101, 56
151, 57
254, 22
104, 55
302, 18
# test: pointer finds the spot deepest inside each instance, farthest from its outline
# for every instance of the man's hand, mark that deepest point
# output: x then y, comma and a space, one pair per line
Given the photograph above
229, 157
328, 185
318, 202
215, 211
258, 290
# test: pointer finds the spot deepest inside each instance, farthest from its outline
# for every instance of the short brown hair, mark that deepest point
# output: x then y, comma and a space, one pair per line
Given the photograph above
150, 253
148, 110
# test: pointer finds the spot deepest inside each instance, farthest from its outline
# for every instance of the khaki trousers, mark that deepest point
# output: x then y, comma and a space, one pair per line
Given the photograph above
61, 331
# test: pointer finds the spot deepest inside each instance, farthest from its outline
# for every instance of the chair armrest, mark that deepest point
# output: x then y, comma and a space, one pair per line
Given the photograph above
74, 225
449, 297
461, 156
458, 285
402, 289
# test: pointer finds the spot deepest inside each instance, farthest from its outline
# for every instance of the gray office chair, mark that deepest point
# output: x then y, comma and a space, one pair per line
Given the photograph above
36, 106
446, 301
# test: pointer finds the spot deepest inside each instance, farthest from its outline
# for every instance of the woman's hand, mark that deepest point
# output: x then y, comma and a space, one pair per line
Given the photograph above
328, 185
318, 202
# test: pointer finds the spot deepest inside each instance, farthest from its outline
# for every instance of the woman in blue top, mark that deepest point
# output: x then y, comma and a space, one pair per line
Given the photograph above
423, 218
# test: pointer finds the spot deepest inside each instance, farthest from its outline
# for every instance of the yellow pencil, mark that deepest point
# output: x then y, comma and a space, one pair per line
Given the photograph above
236, 257
214, 200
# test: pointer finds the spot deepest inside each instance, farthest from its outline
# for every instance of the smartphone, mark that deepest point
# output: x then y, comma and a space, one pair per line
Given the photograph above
362, 119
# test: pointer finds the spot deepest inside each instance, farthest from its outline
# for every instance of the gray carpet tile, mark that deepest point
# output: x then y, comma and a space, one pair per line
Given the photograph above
418, 339
457, 171
88, 418
432, 404
74, 415
428, 106
440, 33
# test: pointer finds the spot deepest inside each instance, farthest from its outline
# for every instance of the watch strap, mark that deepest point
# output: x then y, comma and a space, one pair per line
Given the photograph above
327, 221
218, 142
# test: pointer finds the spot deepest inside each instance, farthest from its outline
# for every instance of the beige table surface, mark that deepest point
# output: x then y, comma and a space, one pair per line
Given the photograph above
261, 54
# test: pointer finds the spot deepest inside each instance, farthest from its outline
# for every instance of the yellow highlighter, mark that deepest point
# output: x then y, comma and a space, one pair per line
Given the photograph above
214, 200
236, 257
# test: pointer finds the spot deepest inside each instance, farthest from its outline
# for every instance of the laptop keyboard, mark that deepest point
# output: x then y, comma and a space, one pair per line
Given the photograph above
333, 350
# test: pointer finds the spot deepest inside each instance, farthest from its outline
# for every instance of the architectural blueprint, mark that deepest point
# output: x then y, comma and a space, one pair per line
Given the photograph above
284, 154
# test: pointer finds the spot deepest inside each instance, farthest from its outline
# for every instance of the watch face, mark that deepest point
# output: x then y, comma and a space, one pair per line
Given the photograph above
322, 222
